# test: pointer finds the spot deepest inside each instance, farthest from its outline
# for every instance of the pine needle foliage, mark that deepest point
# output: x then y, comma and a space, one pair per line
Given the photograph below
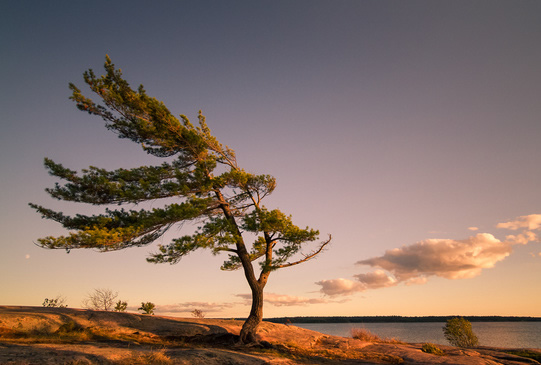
198, 179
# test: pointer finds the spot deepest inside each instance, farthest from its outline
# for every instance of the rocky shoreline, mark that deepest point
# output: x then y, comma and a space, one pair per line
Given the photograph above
38, 335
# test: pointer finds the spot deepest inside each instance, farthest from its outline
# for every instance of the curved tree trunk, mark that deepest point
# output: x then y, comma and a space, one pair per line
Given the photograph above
249, 328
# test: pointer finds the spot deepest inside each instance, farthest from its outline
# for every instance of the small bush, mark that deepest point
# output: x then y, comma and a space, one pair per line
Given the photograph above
69, 327
121, 306
198, 313
458, 331
367, 336
58, 302
430, 348
147, 308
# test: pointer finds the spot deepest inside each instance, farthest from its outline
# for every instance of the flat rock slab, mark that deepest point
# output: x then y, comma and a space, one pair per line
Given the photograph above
204, 341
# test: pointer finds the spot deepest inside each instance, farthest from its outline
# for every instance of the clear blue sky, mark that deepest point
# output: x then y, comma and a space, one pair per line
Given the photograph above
409, 130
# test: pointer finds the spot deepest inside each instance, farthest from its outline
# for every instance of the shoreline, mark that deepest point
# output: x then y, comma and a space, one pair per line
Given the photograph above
397, 319
39, 335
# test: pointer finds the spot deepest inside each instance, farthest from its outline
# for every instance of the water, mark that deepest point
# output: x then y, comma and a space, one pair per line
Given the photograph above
496, 334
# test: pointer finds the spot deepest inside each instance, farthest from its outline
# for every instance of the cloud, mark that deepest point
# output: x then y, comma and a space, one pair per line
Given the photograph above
419, 280
376, 279
523, 238
530, 222
188, 307
280, 300
414, 264
447, 258
340, 287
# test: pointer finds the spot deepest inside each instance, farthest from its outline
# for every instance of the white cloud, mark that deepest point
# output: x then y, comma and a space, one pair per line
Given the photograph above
340, 287
376, 279
473, 228
530, 222
280, 300
451, 259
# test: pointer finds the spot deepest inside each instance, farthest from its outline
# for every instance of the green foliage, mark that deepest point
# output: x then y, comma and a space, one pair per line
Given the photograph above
147, 308
203, 176
430, 348
203, 173
121, 306
58, 302
458, 331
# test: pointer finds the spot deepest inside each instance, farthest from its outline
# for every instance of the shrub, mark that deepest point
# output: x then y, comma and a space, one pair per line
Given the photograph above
198, 313
367, 336
147, 308
100, 299
458, 331
430, 348
121, 306
58, 302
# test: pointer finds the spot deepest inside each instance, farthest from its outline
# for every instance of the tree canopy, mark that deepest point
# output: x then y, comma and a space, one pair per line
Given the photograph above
203, 176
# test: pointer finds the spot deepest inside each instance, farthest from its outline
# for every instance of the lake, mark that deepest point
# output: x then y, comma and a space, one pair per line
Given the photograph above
496, 334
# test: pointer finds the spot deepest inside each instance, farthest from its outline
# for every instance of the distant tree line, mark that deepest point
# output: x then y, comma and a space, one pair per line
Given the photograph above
399, 319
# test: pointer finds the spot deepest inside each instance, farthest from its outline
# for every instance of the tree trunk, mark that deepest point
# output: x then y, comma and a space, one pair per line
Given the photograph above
249, 328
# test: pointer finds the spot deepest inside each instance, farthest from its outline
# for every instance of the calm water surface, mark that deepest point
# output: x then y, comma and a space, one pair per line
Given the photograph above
497, 334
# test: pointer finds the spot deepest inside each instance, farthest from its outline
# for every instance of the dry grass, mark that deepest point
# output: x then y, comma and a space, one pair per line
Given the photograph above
153, 357
367, 336
72, 332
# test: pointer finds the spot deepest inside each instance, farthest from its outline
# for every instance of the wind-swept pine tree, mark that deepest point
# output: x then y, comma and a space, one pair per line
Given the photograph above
198, 171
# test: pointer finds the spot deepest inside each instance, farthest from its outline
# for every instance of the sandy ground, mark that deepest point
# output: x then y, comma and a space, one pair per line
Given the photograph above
38, 335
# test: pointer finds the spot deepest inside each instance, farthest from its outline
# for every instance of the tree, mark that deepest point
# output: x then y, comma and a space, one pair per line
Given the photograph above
100, 299
198, 313
458, 331
121, 306
147, 308
202, 174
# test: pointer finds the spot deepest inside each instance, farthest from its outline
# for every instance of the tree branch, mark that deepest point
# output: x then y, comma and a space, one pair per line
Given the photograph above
307, 257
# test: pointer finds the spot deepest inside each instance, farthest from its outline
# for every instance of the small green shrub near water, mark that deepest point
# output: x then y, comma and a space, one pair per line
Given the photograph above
458, 331
430, 348
365, 335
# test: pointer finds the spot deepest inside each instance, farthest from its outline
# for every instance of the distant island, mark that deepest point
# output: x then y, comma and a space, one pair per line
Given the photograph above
398, 319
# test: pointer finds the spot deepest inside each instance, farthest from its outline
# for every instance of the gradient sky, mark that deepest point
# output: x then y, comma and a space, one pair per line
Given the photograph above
409, 130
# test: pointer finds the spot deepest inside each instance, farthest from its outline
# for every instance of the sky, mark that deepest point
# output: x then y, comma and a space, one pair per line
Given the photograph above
408, 130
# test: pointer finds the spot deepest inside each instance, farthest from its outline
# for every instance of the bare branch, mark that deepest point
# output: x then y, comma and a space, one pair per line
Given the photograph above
307, 257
